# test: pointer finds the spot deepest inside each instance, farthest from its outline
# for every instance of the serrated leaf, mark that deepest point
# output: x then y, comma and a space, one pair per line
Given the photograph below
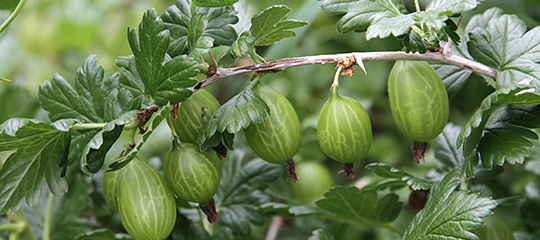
186, 29
271, 25
164, 80
39, 149
382, 18
503, 142
239, 196
445, 148
213, 3
396, 178
67, 213
473, 131
366, 208
454, 78
237, 113
152, 124
450, 213
93, 100
495, 229
501, 41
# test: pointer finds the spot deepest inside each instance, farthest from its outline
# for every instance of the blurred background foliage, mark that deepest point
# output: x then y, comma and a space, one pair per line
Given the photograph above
55, 36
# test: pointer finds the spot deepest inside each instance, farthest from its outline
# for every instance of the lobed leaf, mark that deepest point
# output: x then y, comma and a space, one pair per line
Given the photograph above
450, 213
271, 25
239, 195
237, 113
207, 24
366, 208
39, 150
213, 3
396, 178
93, 100
502, 41
163, 80
486, 127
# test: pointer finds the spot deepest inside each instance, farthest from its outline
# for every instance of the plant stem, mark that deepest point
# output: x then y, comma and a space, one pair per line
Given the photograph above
417, 6
444, 56
48, 218
5, 79
14, 14
87, 126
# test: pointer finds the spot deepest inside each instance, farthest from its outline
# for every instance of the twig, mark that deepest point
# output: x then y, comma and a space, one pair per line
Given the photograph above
444, 56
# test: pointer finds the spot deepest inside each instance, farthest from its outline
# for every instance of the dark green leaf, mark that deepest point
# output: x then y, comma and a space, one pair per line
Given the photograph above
495, 229
237, 113
320, 234
186, 30
213, 3
396, 178
8, 4
454, 78
39, 149
366, 208
94, 100
450, 213
67, 216
445, 147
152, 124
164, 80
238, 197
271, 25
15, 100
501, 41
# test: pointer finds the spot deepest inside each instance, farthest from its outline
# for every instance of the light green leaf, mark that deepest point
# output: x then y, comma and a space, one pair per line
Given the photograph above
186, 29
445, 147
396, 178
321, 234
213, 3
367, 206
93, 100
39, 148
237, 113
450, 213
164, 80
239, 195
271, 25
495, 229
502, 41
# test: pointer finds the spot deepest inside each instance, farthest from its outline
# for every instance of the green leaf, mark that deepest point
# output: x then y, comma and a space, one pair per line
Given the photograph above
382, 18
165, 80
152, 124
94, 100
240, 193
67, 215
475, 130
8, 4
501, 41
237, 113
213, 3
367, 207
271, 25
454, 78
186, 29
396, 178
495, 229
39, 148
450, 213
445, 148
321, 234
15, 100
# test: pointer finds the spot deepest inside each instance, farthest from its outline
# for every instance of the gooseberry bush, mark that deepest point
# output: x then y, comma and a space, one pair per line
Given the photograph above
254, 165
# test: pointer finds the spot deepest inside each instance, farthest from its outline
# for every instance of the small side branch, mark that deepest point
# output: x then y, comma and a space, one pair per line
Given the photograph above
444, 56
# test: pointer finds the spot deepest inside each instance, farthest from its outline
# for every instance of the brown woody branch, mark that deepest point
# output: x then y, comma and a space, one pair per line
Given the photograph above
445, 55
